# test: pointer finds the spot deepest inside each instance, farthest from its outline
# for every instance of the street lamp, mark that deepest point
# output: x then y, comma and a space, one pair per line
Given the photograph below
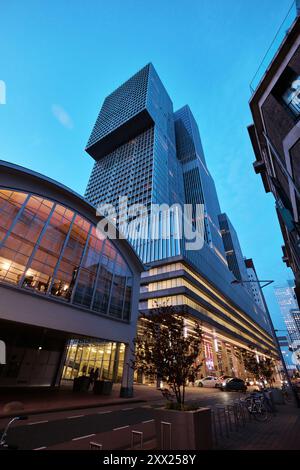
267, 283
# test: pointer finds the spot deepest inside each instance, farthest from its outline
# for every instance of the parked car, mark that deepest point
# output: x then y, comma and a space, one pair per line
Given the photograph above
222, 379
208, 381
233, 385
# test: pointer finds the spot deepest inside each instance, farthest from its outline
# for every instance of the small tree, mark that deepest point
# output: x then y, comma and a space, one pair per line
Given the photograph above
267, 368
251, 364
163, 349
261, 370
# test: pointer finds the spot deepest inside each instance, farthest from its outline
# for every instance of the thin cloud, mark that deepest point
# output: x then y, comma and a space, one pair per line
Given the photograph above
62, 116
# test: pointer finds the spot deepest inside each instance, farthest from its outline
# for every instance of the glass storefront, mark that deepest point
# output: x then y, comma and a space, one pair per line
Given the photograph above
83, 356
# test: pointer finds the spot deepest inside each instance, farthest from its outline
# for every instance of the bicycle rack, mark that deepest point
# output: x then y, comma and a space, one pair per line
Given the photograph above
222, 413
214, 426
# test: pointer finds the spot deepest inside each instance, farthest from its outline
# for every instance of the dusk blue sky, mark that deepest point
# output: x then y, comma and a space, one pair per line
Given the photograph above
59, 59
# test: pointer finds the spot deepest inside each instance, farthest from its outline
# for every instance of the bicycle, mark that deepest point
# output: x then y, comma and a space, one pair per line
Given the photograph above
286, 394
256, 406
3, 441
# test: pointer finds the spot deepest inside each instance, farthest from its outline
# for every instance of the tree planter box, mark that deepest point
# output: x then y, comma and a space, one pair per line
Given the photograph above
81, 384
103, 387
190, 430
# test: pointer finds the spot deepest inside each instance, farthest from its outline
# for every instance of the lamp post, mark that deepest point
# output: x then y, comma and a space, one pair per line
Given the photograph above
267, 283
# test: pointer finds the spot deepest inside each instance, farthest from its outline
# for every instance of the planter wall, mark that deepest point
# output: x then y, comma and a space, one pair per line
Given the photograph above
103, 387
190, 430
81, 384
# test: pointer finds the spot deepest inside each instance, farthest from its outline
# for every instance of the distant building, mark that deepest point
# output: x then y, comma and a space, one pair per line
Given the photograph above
254, 284
287, 354
233, 251
295, 314
288, 304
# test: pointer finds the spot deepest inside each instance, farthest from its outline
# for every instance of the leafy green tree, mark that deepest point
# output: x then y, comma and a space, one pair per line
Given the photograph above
164, 349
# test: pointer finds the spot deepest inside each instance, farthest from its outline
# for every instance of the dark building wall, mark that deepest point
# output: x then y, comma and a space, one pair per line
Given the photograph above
275, 137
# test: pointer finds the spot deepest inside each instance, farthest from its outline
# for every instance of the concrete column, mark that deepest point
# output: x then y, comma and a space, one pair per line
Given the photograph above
127, 377
62, 360
225, 359
116, 362
236, 364
215, 357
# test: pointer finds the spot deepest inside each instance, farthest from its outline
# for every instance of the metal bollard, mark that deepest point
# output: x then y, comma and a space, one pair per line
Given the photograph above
140, 434
214, 426
241, 413
95, 446
163, 426
229, 410
236, 417
220, 422
222, 413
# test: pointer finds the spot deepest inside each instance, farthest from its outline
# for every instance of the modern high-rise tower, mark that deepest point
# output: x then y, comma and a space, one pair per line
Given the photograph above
134, 145
234, 255
151, 155
288, 304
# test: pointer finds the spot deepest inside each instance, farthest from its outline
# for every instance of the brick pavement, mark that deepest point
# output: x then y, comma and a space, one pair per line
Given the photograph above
282, 432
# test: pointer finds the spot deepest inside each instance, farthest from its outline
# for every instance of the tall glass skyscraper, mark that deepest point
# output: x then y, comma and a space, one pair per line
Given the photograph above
288, 305
153, 155
134, 145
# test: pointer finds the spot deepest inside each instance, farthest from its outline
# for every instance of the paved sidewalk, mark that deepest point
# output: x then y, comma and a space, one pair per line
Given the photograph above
39, 400
282, 432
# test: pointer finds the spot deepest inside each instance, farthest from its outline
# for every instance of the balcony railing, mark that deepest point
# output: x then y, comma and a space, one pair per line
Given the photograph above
282, 32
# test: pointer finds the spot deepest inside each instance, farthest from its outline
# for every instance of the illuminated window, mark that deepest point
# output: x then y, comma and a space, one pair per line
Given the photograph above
49, 249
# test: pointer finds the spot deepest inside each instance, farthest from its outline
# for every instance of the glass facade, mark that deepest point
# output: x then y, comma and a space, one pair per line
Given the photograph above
199, 186
234, 255
104, 357
53, 251
120, 106
144, 168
